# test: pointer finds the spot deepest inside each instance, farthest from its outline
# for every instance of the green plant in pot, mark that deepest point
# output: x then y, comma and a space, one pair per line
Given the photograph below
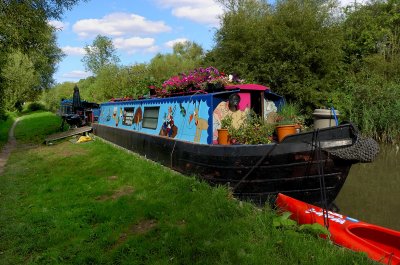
226, 122
252, 130
223, 132
287, 114
288, 121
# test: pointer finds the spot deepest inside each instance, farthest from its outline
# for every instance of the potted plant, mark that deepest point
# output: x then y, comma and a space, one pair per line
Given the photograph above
288, 120
223, 132
253, 129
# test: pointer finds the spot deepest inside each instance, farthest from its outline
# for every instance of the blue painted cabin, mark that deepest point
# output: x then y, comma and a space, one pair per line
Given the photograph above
193, 118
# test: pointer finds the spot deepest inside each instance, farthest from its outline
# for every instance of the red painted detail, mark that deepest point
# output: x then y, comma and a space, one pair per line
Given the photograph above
245, 101
381, 244
247, 87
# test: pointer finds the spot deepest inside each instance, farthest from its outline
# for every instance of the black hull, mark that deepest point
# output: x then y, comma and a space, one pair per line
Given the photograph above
254, 172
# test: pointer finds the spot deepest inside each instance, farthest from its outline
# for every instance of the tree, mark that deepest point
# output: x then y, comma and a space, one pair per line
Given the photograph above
24, 28
186, 56
52, 97
50, 8
188, 50
293, 46
20, 77
99, 54
372, 34
113, 81
372, 57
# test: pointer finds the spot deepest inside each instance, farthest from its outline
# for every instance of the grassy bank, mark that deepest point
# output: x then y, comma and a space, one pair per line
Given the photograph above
92, 203
34, 127
5, 127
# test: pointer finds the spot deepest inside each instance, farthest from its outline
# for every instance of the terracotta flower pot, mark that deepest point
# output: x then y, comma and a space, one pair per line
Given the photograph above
284, 130
223, 137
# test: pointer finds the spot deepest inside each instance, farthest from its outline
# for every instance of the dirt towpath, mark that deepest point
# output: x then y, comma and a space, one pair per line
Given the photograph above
8, 148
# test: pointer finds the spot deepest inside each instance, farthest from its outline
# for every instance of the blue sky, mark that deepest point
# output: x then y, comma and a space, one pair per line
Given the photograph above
139, 29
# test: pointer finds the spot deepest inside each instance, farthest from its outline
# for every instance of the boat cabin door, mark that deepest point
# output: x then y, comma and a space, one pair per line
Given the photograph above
257, 102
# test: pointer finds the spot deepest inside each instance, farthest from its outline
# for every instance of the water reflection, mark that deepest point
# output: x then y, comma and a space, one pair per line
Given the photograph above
372, 191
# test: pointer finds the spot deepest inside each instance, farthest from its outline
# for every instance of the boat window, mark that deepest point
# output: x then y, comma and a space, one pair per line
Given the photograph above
65, 109
150, 117
127, 118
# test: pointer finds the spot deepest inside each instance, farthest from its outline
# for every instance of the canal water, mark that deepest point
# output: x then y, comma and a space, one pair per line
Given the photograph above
372, 191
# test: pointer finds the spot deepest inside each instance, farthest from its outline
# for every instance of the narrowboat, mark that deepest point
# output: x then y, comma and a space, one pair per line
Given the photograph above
77, 112
180, 131
379, 243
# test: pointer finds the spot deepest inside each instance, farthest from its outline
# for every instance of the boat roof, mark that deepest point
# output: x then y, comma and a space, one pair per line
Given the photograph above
227, 89
247, 87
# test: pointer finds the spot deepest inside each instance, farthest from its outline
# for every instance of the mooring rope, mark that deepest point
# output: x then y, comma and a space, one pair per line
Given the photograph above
324, 199
172, 152
254, 167
335, 116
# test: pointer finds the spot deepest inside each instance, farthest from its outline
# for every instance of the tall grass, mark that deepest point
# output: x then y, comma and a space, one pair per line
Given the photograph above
375, 108
92, 203
5, 126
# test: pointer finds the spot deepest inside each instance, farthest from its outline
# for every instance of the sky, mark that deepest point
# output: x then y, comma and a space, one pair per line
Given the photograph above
139, 29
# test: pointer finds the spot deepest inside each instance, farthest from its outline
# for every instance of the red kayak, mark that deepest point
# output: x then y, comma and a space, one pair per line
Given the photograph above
380, 244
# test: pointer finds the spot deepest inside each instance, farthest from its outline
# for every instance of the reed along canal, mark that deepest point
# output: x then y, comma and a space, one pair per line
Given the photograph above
372, 190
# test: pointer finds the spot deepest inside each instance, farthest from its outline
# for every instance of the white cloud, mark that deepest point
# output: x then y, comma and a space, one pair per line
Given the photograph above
135, 44
171, 43
200, 11
58, 24
197, 14
152, 49
76, 74
345, 3
169, 3
119, 24
69, 50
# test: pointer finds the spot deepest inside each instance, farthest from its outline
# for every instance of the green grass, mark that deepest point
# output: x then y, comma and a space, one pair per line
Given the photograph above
92, 203
5, 127
35, 126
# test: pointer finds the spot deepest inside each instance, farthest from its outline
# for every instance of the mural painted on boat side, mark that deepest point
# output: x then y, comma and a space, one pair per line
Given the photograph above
137, 119
115, 116
182, 110
238, 115
201, 124
180, 119
168, 127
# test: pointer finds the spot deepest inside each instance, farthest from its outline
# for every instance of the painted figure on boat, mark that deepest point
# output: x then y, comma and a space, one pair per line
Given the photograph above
201, 124
137, 119
168, 128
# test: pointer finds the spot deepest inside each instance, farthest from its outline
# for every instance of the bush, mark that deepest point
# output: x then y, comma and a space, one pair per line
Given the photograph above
34, 106
375, 108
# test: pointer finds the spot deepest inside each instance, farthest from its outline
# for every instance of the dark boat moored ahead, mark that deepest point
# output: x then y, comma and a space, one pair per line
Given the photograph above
180, 132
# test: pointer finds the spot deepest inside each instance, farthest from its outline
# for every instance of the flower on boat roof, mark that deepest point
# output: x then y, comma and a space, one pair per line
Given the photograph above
233, 78
199, 79
194, 80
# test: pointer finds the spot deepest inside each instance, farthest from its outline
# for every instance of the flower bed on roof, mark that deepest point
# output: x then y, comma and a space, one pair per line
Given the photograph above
201, 80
